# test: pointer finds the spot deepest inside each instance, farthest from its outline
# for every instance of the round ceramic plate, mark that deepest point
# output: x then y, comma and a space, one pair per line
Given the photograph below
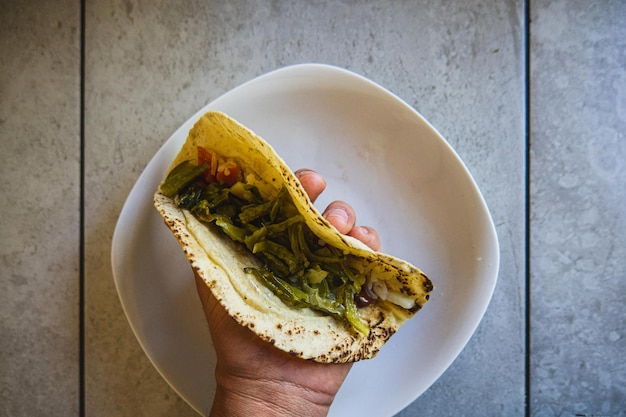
401, 176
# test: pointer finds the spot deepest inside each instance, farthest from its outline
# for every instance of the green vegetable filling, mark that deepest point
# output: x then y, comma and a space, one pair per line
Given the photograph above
299, 269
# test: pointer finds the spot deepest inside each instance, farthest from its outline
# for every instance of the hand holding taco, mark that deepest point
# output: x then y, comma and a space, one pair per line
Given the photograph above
256, 378
275, 264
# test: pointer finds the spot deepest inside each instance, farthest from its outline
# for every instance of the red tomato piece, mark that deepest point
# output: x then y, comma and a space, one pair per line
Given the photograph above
228, 172
204, 156
207, 157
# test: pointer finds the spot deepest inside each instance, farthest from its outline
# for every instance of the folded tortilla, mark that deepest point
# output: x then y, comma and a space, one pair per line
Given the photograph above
400, 288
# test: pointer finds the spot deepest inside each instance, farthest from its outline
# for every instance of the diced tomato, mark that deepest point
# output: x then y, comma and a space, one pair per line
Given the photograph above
209, 158
204, 155
228, 172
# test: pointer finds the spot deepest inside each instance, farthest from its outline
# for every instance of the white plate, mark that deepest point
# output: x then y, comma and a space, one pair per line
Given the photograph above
401, 176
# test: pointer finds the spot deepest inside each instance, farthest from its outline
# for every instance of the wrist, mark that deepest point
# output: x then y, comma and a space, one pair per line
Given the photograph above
237, 396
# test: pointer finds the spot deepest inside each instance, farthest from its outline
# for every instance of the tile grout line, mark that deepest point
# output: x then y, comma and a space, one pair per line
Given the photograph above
527, 237
81, 285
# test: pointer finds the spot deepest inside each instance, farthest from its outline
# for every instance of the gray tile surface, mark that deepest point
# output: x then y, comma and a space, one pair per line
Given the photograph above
39, 222
149, 66
578, 213
148, 71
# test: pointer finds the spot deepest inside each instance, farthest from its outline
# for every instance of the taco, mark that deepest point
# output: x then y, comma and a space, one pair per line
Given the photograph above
249, 230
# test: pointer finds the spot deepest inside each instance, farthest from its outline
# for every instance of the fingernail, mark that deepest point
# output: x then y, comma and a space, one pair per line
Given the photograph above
302, 172
337, 213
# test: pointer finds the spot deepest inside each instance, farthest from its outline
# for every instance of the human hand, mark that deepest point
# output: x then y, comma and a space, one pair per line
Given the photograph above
255, 378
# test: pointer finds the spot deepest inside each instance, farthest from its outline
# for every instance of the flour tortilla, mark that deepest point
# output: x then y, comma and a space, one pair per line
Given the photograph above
220, 262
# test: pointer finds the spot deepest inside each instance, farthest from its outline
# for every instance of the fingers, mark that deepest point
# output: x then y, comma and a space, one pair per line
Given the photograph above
312, 182
367, 235
340, 214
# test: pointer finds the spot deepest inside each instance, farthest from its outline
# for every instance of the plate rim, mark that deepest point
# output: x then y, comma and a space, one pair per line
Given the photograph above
118, 233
